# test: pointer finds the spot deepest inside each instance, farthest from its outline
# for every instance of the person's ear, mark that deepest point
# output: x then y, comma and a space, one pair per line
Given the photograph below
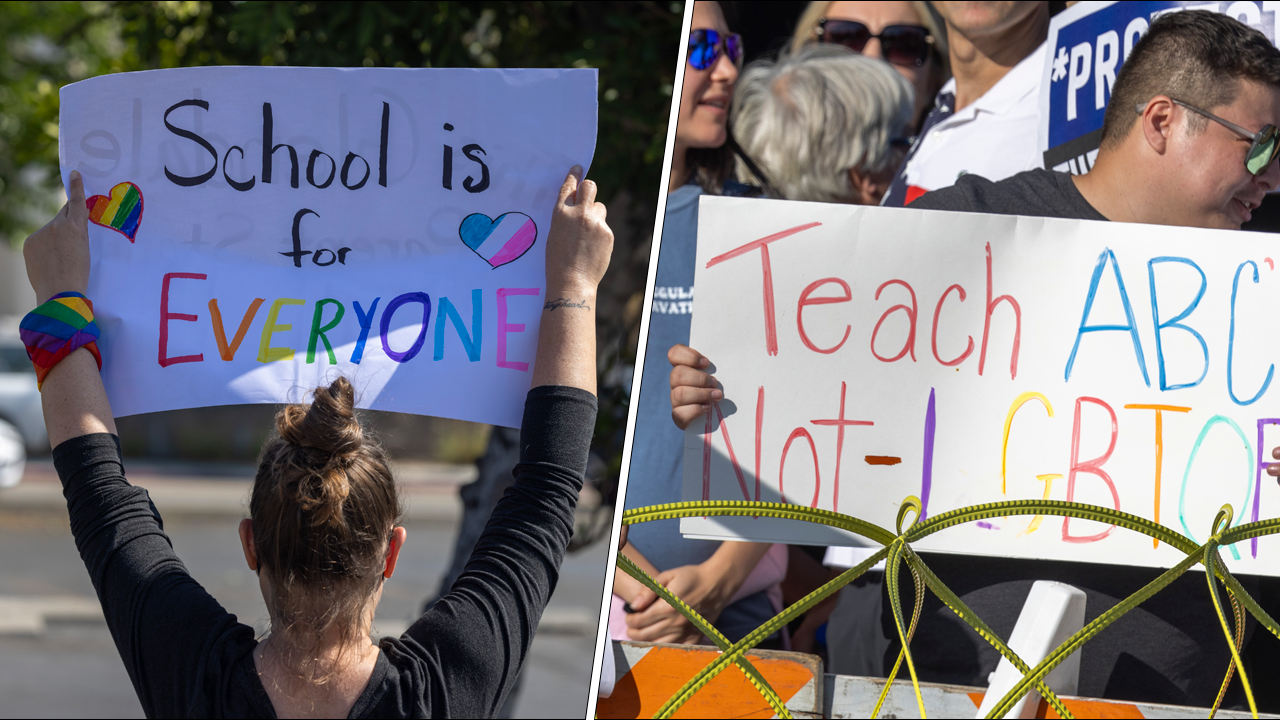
246, 542
398, 536
1156, 123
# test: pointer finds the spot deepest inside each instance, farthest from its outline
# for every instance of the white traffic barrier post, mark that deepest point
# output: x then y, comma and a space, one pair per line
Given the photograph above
1053, 612
608, 670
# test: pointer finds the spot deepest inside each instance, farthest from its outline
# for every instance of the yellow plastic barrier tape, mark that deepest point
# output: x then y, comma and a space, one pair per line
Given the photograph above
753, 675
897, 550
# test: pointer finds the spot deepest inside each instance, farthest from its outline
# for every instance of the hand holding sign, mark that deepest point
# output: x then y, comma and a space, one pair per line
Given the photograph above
57, 255
578, 250
580, 242
692, 389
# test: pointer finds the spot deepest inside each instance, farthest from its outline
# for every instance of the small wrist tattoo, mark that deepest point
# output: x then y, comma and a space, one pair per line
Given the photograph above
552, 305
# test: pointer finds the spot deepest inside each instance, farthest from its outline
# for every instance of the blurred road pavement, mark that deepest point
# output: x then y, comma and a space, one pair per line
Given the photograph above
57, 658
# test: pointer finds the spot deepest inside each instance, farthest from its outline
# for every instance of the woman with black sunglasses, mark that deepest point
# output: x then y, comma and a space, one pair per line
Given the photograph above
908, 35
734, 585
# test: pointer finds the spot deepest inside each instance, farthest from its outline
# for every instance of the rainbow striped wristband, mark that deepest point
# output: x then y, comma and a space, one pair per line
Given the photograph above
58, 328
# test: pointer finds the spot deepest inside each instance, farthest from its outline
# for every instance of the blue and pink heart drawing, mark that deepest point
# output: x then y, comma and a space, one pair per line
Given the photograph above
500, 240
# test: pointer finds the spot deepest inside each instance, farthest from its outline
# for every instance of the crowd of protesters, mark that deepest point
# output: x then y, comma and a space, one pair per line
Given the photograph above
936, 106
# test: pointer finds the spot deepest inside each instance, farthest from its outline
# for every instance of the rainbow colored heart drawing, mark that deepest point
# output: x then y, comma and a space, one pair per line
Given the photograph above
498, 241
121, 210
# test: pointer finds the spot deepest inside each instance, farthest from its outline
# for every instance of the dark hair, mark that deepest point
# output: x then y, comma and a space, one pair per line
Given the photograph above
1195, 56
323, 507
710, 167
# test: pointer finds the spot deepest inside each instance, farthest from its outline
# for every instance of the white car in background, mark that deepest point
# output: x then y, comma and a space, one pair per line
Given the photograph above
21, 418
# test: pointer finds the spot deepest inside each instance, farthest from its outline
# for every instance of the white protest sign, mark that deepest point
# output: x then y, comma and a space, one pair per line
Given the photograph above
258, 231
869, 354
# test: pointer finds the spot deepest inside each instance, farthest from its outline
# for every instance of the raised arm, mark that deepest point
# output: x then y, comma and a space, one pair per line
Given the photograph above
57, 257
479, 634
578, 250
162, 621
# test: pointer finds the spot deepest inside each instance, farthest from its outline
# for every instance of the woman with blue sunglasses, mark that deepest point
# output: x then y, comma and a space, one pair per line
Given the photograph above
734, 585
714, 60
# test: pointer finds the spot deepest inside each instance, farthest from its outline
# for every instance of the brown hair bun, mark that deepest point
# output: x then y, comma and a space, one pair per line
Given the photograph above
323, 507
328, 424
327, 436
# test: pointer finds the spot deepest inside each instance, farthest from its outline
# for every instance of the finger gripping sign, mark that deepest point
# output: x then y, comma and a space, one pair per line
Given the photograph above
256, 232
873, 354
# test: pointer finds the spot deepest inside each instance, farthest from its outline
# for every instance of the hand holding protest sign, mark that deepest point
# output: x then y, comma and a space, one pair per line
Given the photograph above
693, 388
577, 226
869, 354
57, 255
257, 230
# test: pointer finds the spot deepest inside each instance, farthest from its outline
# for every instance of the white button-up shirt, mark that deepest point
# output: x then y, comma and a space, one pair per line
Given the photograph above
995, 136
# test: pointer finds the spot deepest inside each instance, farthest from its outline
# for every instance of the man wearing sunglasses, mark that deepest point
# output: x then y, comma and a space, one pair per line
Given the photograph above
985, 120
1189, 138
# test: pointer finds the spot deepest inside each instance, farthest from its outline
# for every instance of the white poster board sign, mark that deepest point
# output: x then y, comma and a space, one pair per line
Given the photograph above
869, 354
258, 231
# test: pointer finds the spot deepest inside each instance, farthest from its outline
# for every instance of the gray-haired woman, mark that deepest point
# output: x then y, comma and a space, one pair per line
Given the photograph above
824, 124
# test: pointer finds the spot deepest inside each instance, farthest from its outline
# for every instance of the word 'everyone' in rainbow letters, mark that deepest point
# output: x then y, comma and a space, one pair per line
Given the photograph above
328, 314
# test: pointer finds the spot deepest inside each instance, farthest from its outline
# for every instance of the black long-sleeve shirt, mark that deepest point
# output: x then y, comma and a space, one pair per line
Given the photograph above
188, 657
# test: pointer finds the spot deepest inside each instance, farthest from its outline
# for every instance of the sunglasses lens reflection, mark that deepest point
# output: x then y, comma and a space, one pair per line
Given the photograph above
905, 45
702, 48
1263, 153
853, 35
733, 46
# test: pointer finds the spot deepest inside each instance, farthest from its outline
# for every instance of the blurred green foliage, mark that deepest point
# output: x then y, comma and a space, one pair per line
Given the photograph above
44, 45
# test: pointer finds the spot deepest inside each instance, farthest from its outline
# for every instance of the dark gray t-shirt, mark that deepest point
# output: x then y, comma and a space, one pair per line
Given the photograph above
1035, 193
1168, 650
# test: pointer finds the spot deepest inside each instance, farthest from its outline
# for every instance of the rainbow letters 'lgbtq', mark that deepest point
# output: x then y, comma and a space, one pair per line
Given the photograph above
121, 211
58, 328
